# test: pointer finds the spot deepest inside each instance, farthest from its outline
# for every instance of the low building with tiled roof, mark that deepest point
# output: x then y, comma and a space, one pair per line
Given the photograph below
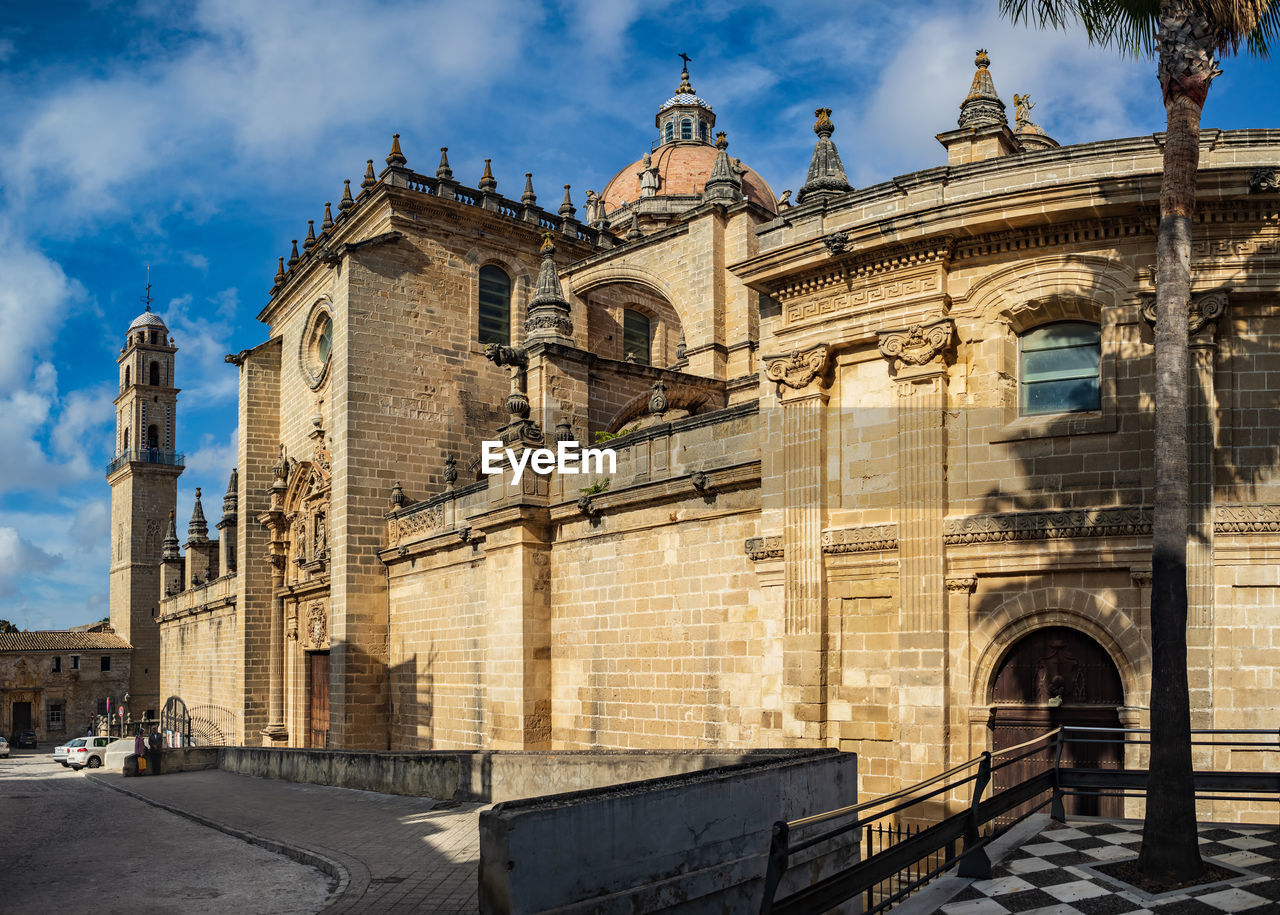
59, 682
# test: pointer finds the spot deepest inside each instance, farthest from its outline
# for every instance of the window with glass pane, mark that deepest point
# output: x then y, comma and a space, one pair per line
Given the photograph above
670, 133
635, 336
495, 306
1059, 369
686, 129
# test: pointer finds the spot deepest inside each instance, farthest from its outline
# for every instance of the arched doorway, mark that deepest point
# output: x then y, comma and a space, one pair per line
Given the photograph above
1054, 677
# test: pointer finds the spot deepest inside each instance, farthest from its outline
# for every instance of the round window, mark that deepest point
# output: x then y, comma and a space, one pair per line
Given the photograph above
317, 346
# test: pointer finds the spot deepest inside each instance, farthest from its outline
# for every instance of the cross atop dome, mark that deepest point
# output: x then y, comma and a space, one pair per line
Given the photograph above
684, 118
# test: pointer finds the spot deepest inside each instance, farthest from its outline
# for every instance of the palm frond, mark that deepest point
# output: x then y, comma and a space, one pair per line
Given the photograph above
1126, 25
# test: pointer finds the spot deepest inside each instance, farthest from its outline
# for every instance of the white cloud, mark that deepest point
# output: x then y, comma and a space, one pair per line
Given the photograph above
19, 558
34, 299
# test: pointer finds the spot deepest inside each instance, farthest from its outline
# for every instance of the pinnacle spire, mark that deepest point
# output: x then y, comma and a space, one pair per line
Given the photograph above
346, 202
328, 218
293, 256
310, 241
369, 179
169, 548
488, 184
528, 198
198, 529
231, 499
826, 171
444, 171
548, 309
982, 107
724, 183
567, 209
279, 273
396, 158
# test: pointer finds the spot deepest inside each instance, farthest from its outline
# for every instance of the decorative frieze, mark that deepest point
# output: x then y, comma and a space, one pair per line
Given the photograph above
1047, 525
764, 547
427, 520
861, 539
1247, 519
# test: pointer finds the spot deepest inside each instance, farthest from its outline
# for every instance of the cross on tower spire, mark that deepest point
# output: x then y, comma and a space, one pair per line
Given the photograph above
147, 298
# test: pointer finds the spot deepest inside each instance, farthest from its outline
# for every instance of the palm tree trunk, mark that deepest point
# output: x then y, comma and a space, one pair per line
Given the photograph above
1170, 851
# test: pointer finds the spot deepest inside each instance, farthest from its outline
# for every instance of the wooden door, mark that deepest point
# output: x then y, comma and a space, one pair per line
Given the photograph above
1057, 677
21, 717
318, 702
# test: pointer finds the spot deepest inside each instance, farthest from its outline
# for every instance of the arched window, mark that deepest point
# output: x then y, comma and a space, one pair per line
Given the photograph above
703, 133
669, 133
153, 438
1058, 368
635, 336
155, 374
495, 306
126, 376
686, 129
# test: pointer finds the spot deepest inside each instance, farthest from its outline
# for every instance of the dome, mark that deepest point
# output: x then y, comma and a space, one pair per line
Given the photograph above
148, 319
684, 98
684, 169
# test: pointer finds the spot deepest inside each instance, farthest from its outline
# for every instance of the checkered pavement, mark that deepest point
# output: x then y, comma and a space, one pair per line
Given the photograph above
1051, 875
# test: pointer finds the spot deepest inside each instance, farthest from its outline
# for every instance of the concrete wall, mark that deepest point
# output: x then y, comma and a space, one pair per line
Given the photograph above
688, 843
485, 776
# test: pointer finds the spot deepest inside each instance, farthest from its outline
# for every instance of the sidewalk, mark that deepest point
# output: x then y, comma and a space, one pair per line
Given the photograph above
1047, 870
388, 853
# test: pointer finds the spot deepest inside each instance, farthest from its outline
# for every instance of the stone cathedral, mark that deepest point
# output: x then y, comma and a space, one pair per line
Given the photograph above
882, 470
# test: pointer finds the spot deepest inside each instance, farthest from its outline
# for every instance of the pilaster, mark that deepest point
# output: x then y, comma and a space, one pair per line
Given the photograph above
803, 396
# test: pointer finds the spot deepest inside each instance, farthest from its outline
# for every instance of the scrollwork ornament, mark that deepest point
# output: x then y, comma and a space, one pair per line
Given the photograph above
798, 370
1264, 181
918, 345
1205, 309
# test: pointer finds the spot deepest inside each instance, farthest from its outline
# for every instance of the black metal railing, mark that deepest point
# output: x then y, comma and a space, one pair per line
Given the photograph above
902, 857
146, 456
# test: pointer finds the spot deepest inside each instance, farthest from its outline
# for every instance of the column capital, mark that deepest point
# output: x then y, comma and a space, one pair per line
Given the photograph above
918, 345
962, 585
1206, 308
799, 369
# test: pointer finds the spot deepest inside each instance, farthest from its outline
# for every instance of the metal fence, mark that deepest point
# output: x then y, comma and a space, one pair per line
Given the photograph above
902, 858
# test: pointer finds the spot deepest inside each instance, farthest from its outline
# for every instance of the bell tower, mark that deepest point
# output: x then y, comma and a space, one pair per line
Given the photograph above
144, 490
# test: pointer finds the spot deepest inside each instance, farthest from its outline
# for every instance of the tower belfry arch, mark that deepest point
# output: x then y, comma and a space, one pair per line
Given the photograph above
143, 474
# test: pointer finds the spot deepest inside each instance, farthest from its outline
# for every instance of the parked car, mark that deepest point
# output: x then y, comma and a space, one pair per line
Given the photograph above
60, 753
26, 739
4, 747
92, 753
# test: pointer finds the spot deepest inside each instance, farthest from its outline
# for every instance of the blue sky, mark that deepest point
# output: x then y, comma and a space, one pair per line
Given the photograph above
199, 137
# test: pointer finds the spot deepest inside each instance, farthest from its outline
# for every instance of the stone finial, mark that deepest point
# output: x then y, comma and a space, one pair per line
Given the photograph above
169, 548
396, 158
528, 198
279, 274
450, 471
548, 310
231, 498
369, 178
347, 202
310, 241
567, 209
327, 224
634, 233
198, 529
982, 107
397, 495
488, 184
443, 171
725, 181
826, 171
294, 257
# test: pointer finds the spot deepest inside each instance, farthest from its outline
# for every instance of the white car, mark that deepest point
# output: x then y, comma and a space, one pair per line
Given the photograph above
60, 753
92, 753
4, 747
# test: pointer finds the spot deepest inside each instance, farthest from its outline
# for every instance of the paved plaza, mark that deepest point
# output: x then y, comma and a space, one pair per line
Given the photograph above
388, 853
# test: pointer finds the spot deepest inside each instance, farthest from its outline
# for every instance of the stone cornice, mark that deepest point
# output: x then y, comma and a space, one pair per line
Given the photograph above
1074, 233
1047, 525
851, 266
